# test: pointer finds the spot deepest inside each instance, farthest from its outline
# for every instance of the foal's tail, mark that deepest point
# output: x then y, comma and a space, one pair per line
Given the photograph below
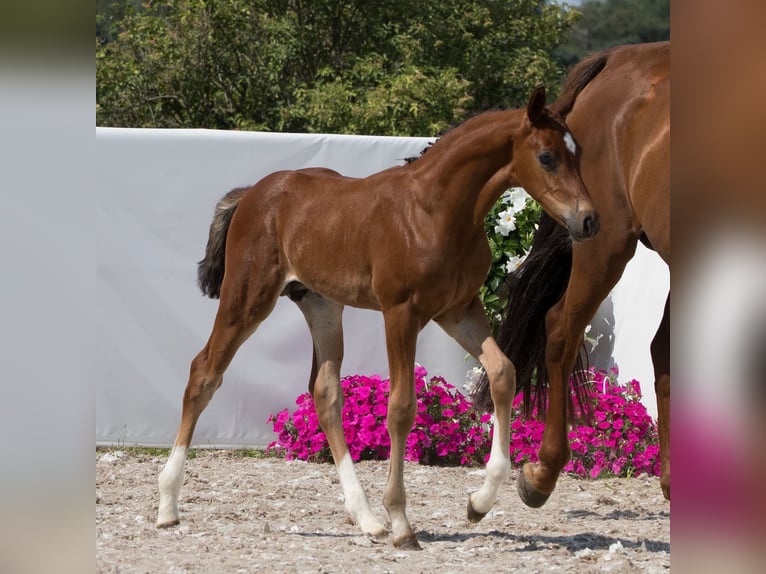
537, 285
210, 270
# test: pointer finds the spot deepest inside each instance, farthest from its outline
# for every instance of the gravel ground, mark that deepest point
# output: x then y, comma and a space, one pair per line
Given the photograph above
244, 514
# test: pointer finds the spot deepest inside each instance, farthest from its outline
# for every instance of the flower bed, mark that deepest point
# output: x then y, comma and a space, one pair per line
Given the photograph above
622, 441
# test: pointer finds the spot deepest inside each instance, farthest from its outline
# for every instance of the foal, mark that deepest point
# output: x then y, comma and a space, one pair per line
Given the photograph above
408, 241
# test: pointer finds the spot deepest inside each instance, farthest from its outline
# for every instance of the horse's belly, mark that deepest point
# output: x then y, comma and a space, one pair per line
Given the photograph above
342, 287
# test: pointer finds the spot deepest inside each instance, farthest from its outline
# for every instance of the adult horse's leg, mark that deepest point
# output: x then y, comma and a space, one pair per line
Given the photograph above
402, 329
661, 360
604, 257
469, 327
239, 313
324, 318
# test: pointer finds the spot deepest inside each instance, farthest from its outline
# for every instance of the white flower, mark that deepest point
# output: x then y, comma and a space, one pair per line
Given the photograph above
517, 197
514, 263
505, 222
592, 341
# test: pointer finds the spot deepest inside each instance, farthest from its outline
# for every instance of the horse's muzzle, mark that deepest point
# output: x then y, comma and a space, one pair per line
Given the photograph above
583, 225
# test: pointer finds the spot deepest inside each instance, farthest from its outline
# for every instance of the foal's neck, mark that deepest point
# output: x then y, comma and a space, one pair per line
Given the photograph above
466, 171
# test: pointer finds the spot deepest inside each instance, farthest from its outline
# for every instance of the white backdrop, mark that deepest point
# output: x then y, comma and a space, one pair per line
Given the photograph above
157, 191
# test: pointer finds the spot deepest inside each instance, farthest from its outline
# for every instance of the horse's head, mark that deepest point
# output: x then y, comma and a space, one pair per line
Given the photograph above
546, 164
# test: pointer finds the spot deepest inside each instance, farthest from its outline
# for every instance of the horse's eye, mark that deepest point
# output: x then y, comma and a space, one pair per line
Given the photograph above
547, 160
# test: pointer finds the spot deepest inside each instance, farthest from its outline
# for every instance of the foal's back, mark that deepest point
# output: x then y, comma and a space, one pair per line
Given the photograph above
331, 232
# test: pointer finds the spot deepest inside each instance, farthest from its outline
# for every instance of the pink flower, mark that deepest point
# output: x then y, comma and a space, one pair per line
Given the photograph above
448, 431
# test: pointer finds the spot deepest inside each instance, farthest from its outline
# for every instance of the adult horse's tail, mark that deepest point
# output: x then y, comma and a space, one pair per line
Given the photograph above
534, 288
211, 269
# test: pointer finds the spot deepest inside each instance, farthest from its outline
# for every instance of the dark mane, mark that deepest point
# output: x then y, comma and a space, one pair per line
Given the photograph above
409, 160
550, 116
579, 77
449, 130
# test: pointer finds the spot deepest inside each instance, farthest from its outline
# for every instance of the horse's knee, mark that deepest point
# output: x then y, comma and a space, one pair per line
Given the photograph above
502, 379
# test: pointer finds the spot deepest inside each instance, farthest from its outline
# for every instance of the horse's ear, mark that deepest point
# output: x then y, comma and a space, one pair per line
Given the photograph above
536, 104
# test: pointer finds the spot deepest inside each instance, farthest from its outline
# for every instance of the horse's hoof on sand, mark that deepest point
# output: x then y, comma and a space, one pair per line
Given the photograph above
168, 523
409, 542
380, 532
528, 493
372, 527
473, 515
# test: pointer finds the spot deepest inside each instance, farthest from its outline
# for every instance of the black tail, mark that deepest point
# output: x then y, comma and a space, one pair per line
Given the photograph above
211, 269
537, 285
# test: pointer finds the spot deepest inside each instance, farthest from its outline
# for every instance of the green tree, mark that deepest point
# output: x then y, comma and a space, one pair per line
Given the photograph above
349, 66
607, 23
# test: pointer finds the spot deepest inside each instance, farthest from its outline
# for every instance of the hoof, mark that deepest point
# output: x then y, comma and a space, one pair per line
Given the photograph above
528, 493
473, 515
381, 532
409, 542
372, 527
168, 524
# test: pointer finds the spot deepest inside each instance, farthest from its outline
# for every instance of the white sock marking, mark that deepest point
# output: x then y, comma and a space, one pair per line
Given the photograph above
498, 470
356, 499
170, 480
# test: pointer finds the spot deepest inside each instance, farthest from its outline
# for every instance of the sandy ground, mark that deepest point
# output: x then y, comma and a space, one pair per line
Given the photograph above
243, 514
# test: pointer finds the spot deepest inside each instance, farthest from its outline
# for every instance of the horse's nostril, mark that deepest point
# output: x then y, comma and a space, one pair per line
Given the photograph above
590, 225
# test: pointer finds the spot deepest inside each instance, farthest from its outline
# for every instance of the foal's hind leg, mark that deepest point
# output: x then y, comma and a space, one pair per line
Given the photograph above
661, 360
325, 322
239, 313
470, 328
402, 327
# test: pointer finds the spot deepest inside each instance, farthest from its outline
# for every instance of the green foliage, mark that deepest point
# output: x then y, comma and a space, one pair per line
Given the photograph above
509, 247
607, 23
351, 66
347, 66
407, 100
194, 63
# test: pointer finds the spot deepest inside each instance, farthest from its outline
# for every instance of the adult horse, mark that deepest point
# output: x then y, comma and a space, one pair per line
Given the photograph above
621, 119
408, 241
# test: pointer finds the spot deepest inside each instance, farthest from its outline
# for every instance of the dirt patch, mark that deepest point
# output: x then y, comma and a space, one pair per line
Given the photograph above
241, 514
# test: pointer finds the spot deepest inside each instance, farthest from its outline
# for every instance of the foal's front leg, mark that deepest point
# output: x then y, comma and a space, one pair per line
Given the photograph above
401, 339
469, 327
